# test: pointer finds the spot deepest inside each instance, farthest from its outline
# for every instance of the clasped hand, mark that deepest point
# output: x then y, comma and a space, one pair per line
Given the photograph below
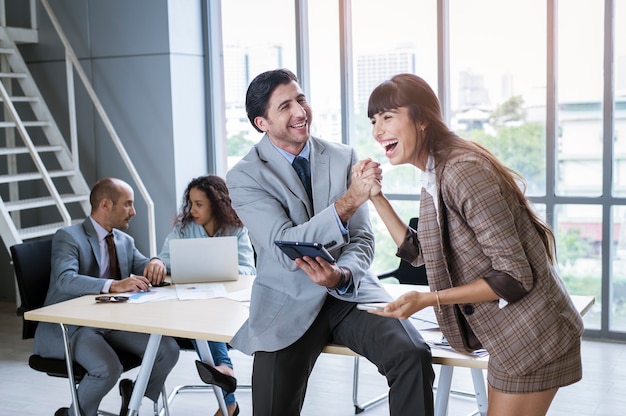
367, 179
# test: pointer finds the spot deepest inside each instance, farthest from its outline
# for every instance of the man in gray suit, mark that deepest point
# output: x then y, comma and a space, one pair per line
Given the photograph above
80, 266
298, 307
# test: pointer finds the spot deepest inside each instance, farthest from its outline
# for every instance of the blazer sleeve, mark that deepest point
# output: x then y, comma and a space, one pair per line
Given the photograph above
138, 261
75, 270
472, 188
245, 253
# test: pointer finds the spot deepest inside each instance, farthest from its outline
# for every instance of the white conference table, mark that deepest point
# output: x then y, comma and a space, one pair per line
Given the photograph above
218, 319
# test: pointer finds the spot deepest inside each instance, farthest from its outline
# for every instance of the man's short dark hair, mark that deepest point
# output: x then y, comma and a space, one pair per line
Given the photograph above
104, 188
261, 88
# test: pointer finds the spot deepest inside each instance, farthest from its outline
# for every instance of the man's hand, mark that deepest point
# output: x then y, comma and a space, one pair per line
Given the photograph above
155, 271
320, 271
366, 179
130, 284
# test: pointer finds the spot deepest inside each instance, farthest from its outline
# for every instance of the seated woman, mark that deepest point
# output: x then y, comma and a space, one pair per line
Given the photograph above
206, 212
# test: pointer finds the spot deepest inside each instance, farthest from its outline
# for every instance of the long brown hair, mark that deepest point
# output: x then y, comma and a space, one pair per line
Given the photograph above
412, 92
216, 191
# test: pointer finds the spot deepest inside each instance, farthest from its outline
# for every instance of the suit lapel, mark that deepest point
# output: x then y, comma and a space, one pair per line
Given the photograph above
320, 174
122, 255
92, 238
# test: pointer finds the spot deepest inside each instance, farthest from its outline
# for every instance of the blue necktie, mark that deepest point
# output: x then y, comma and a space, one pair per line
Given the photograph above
301, 165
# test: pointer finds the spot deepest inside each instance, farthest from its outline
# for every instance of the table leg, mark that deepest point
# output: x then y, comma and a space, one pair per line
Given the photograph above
205, 356
479, 389
144, 374
70, 369
443, 390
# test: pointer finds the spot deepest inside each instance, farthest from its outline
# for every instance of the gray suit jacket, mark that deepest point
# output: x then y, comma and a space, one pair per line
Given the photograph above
272, 203
75, 271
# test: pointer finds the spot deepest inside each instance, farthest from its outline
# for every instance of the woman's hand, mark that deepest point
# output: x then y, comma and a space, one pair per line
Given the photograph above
367, 177
406, 305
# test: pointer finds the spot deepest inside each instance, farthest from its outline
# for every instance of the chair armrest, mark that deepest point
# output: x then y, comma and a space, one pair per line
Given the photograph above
389, 273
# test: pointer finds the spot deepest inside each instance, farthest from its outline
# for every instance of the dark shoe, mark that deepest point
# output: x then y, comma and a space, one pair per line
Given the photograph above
126, 390
64, 411
210, 375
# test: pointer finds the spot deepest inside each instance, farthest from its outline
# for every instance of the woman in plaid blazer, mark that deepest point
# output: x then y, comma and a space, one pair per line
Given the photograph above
489, 258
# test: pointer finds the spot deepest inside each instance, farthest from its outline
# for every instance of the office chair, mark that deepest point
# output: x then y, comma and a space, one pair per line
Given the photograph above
31, 261
405, 273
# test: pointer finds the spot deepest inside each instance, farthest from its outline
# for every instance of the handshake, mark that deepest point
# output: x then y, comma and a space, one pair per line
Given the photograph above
367, 179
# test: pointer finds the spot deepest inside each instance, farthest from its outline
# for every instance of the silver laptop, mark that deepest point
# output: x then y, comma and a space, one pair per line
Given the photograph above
204, 260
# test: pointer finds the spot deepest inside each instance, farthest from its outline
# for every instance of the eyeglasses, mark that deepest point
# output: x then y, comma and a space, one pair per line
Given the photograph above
111, 299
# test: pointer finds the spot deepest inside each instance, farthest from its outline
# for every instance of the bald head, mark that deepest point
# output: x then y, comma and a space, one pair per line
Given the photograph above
112, 203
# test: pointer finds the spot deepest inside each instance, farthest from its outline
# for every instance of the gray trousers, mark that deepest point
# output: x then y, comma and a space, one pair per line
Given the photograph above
279, 378
94, 349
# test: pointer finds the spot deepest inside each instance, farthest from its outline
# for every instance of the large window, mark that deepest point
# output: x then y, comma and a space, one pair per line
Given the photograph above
257, 36
541, 83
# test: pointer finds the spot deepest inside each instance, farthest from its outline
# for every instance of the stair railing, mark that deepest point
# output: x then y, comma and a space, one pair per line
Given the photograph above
8, 104
72, 62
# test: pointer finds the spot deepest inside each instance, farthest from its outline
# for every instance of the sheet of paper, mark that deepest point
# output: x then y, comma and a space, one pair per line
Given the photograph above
155, 293
436, 340
425, 319
200, 291
240, 295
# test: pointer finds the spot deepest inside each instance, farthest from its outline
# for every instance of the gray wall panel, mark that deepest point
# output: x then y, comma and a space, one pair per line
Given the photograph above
135, 91
124, 28
124, 47
72, 16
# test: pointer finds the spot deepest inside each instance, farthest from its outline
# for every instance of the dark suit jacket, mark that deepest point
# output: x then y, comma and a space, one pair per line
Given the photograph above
75, 272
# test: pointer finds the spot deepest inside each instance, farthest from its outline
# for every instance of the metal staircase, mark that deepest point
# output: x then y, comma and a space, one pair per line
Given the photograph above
41, 186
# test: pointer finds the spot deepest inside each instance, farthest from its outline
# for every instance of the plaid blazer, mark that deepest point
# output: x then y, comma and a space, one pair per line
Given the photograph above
479, 230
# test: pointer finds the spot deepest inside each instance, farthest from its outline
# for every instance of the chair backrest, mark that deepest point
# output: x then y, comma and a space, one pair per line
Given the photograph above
408, 274
31, 261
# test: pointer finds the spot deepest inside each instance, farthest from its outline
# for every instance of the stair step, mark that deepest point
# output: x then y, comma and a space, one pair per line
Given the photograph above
7, 51
20, 177
22, 99
25, 123
23, 150
12, 75
44, 201
43, 230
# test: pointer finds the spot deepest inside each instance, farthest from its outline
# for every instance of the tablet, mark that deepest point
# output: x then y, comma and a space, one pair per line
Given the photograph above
297, 249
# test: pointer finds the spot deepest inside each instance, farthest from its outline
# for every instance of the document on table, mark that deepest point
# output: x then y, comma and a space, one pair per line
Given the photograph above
200, 291
242, 295
155, 293
425, 319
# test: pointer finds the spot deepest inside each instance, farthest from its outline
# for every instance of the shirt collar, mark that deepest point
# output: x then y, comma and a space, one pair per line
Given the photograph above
305, 153
429, 179
101, 232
